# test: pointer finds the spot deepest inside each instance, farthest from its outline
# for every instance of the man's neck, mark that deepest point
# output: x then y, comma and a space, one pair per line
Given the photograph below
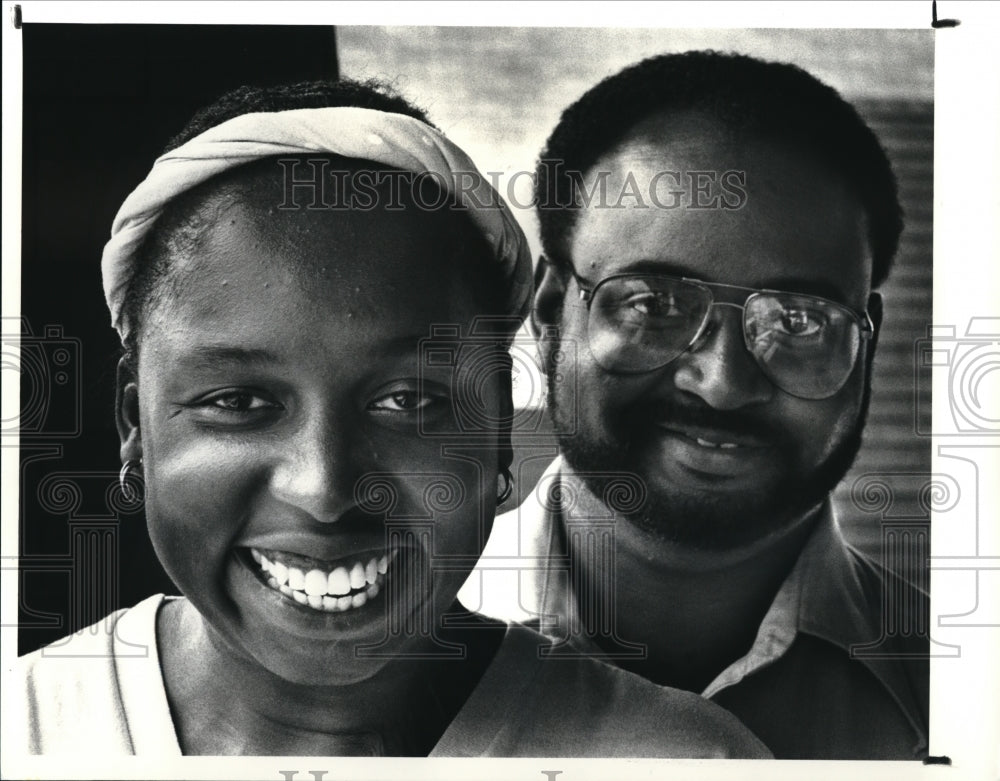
695, 611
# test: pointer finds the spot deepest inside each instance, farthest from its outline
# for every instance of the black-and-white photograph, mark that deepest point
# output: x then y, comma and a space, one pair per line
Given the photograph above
507, 389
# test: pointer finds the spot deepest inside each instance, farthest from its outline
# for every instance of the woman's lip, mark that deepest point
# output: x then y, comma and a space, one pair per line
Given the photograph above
265, 565
288, 598
306, 563
317, 547
263, 605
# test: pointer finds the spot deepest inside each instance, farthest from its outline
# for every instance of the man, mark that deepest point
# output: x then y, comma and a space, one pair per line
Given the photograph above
713, 229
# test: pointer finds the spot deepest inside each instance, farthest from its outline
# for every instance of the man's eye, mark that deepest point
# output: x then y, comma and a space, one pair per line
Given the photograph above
402, 401
651, 305
237, 401
801, 322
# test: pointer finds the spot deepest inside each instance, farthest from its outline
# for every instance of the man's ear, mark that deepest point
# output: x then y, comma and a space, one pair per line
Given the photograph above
550, 288
546, 313
127, 413
875, 313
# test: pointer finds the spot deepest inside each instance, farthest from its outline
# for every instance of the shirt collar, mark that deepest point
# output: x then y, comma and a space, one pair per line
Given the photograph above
823, 596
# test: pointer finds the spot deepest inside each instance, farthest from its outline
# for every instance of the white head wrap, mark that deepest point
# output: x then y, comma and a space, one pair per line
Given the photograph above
395, 140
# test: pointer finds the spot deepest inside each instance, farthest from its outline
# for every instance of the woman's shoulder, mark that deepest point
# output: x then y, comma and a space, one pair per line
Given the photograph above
71, 691
539, 699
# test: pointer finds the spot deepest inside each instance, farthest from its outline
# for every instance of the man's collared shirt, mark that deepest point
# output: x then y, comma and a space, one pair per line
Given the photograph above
830, 675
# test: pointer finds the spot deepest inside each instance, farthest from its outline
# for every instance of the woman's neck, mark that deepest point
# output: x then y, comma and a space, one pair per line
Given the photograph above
226, 704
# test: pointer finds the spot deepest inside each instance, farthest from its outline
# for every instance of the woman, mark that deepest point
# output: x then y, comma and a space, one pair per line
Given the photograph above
320, 419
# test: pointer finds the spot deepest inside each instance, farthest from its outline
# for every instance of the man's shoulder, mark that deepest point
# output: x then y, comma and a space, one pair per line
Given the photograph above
851, 597
876, 573
640, 718
900, 602
568, 704
896, 645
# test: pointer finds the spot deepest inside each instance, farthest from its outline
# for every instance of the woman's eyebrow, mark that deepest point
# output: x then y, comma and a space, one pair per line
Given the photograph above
210, 355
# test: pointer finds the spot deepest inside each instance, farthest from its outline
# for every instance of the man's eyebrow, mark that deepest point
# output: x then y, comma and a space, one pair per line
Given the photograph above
791, 284
814, 287
669, 266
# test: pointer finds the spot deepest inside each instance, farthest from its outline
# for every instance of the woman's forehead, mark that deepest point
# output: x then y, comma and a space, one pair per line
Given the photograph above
298, 205
397, 269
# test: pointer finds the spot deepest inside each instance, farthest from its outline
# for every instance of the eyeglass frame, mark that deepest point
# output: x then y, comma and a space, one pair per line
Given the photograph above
866, 328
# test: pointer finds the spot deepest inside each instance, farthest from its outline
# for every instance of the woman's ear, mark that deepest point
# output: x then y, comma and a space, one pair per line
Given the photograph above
127, 412
505, 447
546, 313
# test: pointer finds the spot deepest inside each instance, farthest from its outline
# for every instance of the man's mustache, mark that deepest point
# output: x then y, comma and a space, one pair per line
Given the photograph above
686, 413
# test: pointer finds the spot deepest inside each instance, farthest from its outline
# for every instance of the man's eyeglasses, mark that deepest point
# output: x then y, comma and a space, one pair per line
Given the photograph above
805, 345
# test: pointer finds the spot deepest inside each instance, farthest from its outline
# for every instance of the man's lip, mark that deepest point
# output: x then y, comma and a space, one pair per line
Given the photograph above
714, 438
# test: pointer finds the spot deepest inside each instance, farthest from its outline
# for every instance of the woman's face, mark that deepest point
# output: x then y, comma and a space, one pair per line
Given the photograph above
305, 470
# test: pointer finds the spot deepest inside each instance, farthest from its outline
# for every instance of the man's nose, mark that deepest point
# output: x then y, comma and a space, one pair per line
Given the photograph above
316, 472
718, 368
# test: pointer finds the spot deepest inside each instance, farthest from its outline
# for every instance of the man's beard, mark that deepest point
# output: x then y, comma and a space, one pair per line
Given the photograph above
702, 520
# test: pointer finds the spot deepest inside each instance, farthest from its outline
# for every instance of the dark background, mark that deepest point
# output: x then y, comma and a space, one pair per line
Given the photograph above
100, 103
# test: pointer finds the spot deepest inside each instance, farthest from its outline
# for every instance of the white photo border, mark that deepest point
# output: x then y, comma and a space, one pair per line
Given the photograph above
965, 697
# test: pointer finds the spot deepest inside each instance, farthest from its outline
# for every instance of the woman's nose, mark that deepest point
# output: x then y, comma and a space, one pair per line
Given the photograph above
315, 472
718, 368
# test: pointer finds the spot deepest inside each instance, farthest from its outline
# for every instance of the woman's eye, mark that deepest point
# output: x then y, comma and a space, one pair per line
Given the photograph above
402, 401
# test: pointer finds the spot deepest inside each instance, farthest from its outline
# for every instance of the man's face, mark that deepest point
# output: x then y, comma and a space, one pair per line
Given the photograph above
726, 456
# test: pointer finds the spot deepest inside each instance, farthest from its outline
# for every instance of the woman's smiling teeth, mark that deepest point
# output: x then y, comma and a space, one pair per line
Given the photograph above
331, 590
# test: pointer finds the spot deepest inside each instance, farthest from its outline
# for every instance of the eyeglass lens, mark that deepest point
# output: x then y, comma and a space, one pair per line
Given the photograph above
806, 346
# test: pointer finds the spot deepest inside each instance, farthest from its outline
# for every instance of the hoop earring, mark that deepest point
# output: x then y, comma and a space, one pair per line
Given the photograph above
503, 494
125, 483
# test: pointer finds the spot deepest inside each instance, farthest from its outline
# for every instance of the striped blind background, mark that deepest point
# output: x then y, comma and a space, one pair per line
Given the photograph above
892, 469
